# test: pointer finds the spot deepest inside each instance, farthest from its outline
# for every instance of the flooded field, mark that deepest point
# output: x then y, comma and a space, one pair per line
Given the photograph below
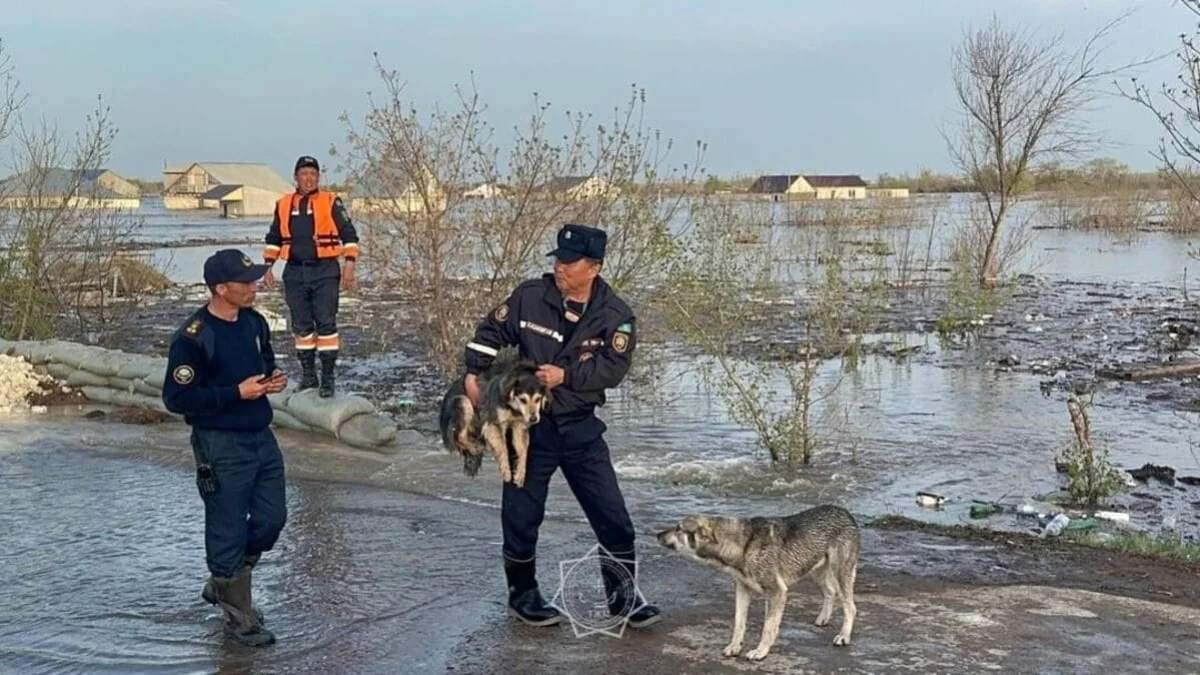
970, 420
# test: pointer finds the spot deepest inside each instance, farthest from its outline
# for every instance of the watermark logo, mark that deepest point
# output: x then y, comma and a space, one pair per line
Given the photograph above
591, 604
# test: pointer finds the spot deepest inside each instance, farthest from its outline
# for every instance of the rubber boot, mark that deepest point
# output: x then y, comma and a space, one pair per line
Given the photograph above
241, 624
308, 365
328, 360
620, 584
210, 587
525, 600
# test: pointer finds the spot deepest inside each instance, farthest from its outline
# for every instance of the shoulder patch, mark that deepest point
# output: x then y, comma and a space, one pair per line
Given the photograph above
183, 374
620, 342
501, 311
193, 329
625, 328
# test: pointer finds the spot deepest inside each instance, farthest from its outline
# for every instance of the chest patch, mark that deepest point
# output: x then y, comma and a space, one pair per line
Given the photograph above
542, 330
592, 343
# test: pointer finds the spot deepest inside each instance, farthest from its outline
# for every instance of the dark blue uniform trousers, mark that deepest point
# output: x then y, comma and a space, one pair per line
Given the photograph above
588, 470
247, 512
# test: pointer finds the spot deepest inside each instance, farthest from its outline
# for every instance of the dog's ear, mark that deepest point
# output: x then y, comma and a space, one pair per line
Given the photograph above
704, 529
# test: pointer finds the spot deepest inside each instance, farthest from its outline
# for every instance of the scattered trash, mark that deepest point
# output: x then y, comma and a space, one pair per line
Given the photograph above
404, 402
1125, 478
1189, 480
982, 510
1027, 510
38, 409
1010, 361
1081, 524
1056, 526
1165, 474
1114, 516
930, 499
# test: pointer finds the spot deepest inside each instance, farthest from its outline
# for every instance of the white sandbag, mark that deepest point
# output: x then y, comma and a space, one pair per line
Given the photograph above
59, 371
370, 431
287, 421
104, 362
146, 390
158, 377
98, 394
82, 378
326, 413
139, 367
121, 384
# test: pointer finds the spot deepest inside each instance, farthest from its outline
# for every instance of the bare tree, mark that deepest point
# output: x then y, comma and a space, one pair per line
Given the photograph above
61, 238
1020, 99
453, 225
1177, 108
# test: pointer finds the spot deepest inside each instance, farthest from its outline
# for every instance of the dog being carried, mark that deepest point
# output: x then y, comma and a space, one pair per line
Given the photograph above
767, 556
511, 400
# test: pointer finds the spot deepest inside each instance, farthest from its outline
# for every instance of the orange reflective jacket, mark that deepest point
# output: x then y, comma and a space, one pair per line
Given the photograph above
325, 231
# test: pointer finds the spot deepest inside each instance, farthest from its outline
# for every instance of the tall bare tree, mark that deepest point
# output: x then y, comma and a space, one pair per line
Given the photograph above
1177, 108
1019, 99
61, 244
453, 224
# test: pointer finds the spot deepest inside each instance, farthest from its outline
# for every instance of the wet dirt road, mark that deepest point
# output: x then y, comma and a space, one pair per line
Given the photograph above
103, 562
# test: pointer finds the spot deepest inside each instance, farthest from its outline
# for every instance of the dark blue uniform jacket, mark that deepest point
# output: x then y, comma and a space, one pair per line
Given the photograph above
595, 352
209, 357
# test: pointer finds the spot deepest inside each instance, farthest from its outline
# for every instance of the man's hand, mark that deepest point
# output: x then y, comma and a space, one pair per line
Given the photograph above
252, 387
472, 386
277, 382
349, 279
551, 376
269, 277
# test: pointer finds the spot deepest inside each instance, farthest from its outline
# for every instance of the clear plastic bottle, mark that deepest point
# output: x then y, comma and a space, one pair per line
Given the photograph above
1056, 526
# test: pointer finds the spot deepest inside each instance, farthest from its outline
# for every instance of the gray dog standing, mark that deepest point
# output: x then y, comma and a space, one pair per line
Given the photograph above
767, 556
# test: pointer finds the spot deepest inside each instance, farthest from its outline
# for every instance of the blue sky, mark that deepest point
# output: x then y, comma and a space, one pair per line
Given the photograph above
770, 85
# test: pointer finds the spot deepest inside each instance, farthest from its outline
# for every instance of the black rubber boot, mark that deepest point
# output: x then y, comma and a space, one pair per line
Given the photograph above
620, 574
308, 365
210, 587
328, 361
525, 600
241, 623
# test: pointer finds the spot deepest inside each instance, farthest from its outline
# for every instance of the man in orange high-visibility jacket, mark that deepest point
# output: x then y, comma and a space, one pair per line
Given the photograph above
310, 232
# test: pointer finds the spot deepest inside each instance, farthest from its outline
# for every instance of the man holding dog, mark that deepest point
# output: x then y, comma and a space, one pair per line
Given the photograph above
220, 369
582, 335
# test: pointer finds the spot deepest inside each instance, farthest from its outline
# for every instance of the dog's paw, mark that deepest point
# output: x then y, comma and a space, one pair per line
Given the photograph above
822, 620
758, 653
519, 479
841, 640
505, 475
732, 650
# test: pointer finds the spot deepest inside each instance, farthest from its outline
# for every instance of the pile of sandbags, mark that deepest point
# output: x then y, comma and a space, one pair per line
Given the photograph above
119, 378
18, 381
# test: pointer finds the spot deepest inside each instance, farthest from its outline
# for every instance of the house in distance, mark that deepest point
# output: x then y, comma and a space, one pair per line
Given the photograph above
779, 187
236, 189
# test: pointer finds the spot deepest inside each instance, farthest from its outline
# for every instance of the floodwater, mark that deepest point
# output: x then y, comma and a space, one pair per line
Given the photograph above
102, 528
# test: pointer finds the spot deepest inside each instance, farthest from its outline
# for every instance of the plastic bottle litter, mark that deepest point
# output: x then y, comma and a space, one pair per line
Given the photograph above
930, 499
1056, 526
983, 510
1115, 516
1027, 510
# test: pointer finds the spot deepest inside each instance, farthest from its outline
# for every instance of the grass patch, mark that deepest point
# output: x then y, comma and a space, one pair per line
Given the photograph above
1159, 546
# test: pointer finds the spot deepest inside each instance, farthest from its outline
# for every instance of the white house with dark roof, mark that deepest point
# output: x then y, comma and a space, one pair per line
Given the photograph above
578, 187
237, 189
811, 186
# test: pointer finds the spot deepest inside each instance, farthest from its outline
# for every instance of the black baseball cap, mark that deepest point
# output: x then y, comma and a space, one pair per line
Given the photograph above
580, 241
307, 160
231, 265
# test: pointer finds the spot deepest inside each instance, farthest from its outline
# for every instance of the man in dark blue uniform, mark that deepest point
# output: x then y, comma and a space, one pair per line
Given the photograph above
219, 371
582, 335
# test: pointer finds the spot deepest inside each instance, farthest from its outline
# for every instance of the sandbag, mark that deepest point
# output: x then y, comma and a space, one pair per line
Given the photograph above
367, 431
147, 390
59, 371
326, 413
82, 378
287, 421
121, 384
103, 362
139, 367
